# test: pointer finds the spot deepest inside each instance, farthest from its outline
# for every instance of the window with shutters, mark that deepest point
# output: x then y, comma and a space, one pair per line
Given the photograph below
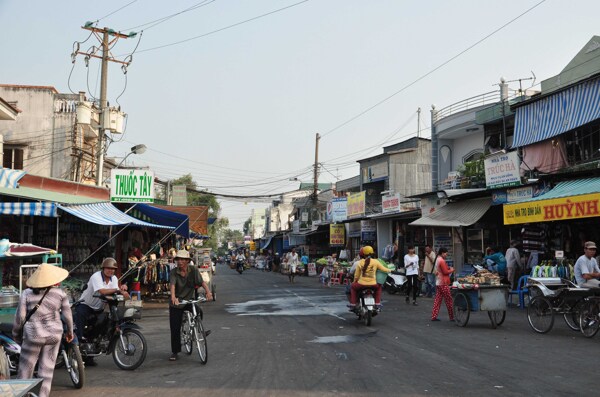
13, 158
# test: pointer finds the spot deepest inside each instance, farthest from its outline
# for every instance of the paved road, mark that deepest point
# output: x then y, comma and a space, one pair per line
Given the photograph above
270, 338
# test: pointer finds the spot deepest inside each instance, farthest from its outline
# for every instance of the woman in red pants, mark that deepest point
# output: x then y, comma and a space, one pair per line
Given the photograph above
442, 285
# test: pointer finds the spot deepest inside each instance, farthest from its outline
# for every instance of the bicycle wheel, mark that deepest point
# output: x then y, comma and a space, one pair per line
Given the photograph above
186, 334
497, 317
130, 349
76, 368
540, 315
200, 339
572, 316
589, 319
462, 310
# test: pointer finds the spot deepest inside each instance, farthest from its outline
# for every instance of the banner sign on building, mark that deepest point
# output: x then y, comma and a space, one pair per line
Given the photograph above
390, 203
574, 207
356, 204
353, 229
296, 226
337, 209
368, 230
179, 195
519, 194
131, 186
337, 235
502, 170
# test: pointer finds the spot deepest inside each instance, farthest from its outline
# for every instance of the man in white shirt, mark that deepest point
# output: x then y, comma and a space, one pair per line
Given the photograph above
586, 267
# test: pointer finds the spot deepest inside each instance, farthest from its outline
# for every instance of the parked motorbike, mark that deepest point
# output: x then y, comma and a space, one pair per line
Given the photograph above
68, 355
366, 308
114, 333
395, 282
240, 266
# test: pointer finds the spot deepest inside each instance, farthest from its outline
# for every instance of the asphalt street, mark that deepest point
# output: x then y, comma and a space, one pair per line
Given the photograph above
272, 338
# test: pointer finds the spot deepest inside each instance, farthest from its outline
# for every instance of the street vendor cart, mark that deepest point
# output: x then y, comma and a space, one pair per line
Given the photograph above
481, 291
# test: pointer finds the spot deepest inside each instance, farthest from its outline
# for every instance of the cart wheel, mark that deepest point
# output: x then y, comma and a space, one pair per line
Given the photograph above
589, 318
540, 315
497, 317
462, 310
572, 316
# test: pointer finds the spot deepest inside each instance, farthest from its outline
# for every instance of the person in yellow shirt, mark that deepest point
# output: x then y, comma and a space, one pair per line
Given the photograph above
364, 276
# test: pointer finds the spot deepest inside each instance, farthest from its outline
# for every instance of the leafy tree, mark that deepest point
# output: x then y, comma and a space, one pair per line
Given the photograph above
246, 227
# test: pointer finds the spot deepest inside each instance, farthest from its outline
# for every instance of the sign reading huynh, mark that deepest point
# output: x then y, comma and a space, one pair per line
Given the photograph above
502, 170
131, 186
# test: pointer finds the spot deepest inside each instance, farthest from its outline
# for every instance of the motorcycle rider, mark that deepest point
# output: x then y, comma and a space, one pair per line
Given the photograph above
104, 282
364, 277
240, 260
183, 281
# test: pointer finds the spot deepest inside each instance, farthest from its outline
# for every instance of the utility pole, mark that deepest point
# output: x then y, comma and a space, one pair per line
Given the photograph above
106, 43
316, 170
418, 123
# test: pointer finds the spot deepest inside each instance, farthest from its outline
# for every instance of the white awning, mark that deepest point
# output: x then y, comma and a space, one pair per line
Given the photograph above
461, 213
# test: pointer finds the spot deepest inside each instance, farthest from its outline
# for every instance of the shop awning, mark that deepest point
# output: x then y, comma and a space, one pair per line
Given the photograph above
267, 243
46, 195
574, 199
105, 214
556, 114
10, 177
28, 209
461, 213
180, 222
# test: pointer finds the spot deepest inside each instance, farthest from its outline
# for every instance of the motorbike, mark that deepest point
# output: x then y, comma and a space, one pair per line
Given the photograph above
114, 332
68, 355
395, 282
366, 309
240, 266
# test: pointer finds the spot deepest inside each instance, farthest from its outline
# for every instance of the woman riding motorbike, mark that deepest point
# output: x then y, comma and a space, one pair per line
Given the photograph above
364, 277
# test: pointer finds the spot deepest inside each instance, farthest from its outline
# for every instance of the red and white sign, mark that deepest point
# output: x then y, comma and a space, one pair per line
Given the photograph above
390, 203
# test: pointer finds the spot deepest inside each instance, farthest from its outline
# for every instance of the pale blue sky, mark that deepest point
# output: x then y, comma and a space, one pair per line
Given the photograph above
245, 103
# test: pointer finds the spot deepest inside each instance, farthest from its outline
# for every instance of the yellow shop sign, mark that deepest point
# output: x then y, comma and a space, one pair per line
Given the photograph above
574, 207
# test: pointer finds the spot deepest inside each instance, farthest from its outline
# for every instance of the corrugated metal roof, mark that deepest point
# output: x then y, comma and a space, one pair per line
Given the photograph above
46, 195
575, 187
462, 213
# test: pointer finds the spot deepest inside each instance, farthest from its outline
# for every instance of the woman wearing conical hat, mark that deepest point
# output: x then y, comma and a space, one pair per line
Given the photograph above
43, 331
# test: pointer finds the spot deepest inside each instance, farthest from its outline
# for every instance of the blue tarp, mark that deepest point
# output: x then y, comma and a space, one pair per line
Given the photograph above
106, 214
169, 218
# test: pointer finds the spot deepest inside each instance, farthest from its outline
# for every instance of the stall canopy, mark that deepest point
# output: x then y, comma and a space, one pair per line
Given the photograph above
461, 213
10, 177
266, 244
28, 209
180, 222
106, 214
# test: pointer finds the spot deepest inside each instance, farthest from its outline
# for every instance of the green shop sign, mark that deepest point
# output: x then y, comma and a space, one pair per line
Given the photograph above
131, 186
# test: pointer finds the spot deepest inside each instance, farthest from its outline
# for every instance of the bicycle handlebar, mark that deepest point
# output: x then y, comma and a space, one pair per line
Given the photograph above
185, 302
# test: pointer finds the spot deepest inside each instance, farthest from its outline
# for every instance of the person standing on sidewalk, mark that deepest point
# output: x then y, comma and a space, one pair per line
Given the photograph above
411, 264
428, 271
442, 285
513, 263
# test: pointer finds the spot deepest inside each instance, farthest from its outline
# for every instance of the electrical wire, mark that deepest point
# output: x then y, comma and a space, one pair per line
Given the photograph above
224, 28
117, 10
164, 19
431, 71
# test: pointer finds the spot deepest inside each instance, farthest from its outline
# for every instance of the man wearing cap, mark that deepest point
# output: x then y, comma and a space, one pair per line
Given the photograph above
586, 267
184, 279
104, 282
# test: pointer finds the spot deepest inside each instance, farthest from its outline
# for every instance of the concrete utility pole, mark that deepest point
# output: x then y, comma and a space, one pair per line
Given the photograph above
418, 122
103, 36
316, 170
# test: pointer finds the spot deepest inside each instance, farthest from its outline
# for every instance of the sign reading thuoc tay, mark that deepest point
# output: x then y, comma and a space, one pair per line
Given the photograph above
131, 186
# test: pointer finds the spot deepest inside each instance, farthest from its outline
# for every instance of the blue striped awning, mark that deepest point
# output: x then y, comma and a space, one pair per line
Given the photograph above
35, 209
575, 187
10, 177
558, 113
105, 214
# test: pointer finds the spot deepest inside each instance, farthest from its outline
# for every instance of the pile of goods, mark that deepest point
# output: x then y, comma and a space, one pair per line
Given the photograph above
482, 276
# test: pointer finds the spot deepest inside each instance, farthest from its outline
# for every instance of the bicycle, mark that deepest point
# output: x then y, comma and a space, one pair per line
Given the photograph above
192, 330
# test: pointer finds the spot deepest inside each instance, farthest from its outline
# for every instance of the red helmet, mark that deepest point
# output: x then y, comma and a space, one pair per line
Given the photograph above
361, 252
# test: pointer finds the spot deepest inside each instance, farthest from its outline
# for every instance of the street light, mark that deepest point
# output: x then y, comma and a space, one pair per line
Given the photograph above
137, 149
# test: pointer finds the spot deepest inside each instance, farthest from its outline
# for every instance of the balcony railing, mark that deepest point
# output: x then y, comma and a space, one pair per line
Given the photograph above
488, 98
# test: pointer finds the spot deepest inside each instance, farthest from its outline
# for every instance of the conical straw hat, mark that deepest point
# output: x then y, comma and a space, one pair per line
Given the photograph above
46, 275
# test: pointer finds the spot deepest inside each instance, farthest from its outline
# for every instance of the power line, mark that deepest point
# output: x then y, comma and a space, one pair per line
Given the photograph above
117, 10
430, 72
224, 28
164, 19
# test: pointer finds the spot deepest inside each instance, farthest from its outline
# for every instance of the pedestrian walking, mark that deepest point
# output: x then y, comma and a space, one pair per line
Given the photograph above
428, 271
411, 264
442, 285
38, 326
